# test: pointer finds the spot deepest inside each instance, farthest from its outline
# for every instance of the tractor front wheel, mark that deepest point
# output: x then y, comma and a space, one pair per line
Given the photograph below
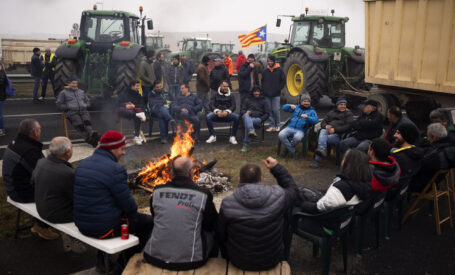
304, 76
64, 69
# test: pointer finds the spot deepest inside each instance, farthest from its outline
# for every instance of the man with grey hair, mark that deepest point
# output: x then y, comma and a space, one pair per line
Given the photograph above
53, 179
442, 116
184, 222
19, 161
440, 154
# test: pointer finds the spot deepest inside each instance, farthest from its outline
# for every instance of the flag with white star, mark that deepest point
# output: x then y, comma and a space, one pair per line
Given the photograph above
258, 36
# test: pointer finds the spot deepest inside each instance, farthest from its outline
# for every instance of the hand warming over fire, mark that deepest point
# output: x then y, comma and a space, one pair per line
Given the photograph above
270, 162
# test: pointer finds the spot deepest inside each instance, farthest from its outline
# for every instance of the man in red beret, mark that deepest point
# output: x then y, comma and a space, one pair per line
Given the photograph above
102, 199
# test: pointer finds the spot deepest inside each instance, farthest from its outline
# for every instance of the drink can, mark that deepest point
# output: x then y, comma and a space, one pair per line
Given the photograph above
124, 232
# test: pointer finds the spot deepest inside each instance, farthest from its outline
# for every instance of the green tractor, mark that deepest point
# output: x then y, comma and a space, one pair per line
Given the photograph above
155, 42
195, 48
107, 54
318, 63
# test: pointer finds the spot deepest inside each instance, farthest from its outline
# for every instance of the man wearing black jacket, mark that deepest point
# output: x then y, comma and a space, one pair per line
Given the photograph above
248, 78
186, 107
217, 74
254, 111
273, 81
367, 127
253, 221
36, 71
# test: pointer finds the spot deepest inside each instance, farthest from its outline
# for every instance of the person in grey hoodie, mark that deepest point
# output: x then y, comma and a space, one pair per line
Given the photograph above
74, 103
253, 221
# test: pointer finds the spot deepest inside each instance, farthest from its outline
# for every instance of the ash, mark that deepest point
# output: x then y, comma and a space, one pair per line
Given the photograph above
214, 181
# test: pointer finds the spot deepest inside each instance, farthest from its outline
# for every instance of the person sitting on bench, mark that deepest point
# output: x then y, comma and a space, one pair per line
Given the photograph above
253, 222
159, 102
102, 199
185, 218
130, 105
186, 107
19, 161
53, 179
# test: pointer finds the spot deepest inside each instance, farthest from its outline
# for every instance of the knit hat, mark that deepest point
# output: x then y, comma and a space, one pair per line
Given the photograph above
409, 132
371, 102
341, 100
305, 96
112, 140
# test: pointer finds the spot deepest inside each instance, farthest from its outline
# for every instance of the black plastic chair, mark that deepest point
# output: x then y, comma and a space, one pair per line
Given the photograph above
341, 218
372, 212
395, 202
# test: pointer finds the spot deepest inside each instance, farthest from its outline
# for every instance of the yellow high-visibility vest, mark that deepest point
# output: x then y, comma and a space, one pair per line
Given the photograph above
50, 60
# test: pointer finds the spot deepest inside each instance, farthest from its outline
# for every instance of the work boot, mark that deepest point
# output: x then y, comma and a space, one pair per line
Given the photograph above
45, 233
321, 152
244, 148
252, 133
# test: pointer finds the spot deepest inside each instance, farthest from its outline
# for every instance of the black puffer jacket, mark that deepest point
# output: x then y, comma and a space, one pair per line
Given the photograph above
36, 66
258, 107
273, 81
174, 75
253, 222
222, 102
341, 121
409, 159
368, 126
217, 75
130, 96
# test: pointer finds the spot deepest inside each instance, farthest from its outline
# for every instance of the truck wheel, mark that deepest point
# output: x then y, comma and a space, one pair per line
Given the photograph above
304, 76
127, 71
384, 102
64, 69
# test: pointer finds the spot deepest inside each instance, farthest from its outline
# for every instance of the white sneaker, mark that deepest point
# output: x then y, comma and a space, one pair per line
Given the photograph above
137, 140
232, 140
211, 139
142, 116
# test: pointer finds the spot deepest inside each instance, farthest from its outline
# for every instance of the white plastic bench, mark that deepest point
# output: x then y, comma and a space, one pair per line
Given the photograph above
108, 246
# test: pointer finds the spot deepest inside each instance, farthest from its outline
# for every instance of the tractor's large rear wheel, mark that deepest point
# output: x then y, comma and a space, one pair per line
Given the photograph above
64, 69
304, 76
127, 71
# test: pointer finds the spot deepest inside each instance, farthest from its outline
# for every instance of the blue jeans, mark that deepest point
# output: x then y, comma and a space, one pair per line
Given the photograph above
352, 142
2, 126
214, 118
295, 135
162, 113
174, 91
274, 106
324, 139
250, 123
36, 87
145, 94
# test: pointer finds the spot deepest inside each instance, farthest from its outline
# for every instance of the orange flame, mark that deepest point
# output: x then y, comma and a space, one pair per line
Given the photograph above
159, 172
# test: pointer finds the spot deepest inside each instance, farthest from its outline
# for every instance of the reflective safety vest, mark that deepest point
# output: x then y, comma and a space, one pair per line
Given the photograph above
43, 57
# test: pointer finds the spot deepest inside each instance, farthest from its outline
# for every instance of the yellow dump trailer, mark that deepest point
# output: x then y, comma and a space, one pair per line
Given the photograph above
410, 53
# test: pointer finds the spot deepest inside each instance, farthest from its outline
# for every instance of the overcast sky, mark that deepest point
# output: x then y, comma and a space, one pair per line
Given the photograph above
31, 17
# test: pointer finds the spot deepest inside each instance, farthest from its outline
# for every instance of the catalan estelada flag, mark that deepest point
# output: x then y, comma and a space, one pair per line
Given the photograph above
258, 36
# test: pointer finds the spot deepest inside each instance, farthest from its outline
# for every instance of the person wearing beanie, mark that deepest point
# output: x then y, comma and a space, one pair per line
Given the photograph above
48, 62
303, 117
147, 74
254, 111
36, 72
130, 105
395, 118
174, 77
365, 128
408, 156
336, 123
273, 81
102, 198
248, 77
74, 103
203, 83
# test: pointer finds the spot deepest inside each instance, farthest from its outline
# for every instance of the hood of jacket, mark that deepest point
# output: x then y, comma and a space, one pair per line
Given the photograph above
276, 66
226, 94
252, 195
387, 174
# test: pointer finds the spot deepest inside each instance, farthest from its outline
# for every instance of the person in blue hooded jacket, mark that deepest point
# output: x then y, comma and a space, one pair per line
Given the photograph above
303, 117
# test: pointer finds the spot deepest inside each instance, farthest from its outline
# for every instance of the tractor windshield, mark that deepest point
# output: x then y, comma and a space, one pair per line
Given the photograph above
300, 33
104, 29
329, 35
154, 42
216, 48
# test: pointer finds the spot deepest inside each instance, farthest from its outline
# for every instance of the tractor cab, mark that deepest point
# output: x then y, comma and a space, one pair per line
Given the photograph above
154, 42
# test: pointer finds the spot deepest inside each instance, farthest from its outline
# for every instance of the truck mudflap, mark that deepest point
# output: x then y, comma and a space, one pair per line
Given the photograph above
356, 58
311, 55
127, 53
64, 51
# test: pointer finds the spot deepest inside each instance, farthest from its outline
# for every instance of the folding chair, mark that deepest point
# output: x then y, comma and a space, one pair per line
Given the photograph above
432, 193
342, 217
65, 130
